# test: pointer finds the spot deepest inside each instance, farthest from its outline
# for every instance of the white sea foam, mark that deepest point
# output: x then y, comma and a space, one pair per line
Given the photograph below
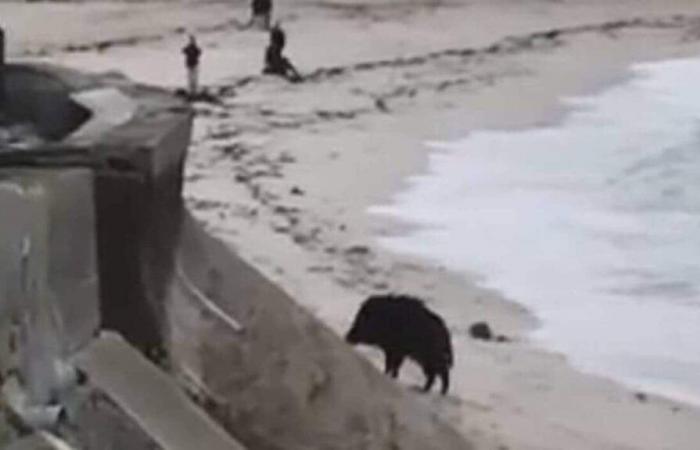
593, 223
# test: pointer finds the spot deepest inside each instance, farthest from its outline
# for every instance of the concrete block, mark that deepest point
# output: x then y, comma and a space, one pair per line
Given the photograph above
39, 441
135, 139
150, 397
96, 422
48, 285
72, 249
53, 214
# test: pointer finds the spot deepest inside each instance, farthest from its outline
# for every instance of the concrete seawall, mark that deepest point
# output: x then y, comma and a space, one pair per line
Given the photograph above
136, 156
285, 381
89, 246
98, 240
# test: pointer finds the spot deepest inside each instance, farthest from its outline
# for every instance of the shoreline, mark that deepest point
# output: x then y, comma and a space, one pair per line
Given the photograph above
389, 212
343, 152
507, 315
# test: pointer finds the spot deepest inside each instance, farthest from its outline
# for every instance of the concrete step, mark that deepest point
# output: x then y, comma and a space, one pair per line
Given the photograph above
39, 441
150, 397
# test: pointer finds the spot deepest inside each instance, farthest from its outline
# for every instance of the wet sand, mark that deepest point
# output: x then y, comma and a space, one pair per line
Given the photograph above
285, 173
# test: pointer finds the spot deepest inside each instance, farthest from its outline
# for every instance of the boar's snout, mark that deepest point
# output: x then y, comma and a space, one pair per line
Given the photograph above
363, 327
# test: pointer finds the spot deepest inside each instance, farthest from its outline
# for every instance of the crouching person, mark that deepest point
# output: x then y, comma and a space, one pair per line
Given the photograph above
402, 327
275, 62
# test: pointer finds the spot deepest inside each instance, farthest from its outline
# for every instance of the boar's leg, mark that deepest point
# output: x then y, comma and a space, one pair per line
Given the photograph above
397, 365
387, 364
392, 363
445, 379
430, 379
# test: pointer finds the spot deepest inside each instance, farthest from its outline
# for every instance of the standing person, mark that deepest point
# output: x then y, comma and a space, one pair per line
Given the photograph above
192, 54
261, 13
275, 62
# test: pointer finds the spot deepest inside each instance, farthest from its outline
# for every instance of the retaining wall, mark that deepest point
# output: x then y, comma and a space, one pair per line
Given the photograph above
136, 158
90, 221
285, 381
97, 240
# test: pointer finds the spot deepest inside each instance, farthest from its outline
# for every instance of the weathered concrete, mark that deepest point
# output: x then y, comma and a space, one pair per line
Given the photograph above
286, 382
150, 397
72, 273
99, 199
283, 381
137, 155
8, 433
39, 441
48, 272
96, 422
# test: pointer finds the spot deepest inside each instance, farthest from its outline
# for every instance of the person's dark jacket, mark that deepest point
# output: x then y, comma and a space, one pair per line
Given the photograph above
275, 63
192, 53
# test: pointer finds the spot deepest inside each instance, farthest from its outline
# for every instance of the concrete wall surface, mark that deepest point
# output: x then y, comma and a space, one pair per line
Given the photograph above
39, 441
97, 239
134, 139
96, 422
95, 215
285, 382
49, 304
139, 209
150, 397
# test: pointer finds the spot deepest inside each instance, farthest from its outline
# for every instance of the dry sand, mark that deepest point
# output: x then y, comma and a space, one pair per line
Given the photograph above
285, 173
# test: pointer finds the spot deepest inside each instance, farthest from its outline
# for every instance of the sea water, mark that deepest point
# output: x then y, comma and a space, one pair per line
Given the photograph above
592, 223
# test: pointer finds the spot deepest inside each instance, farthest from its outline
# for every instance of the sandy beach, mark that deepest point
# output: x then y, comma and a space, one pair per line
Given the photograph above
285, 173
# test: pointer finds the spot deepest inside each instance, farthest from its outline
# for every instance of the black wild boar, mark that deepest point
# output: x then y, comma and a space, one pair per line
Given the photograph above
403, 327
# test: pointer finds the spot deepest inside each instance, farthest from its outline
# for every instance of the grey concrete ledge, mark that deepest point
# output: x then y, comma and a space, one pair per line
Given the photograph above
88, 120
150, 397
39, 441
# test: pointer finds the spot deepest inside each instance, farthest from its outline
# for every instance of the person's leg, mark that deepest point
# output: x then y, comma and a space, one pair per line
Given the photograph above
290, 72
189, 80
192, 80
